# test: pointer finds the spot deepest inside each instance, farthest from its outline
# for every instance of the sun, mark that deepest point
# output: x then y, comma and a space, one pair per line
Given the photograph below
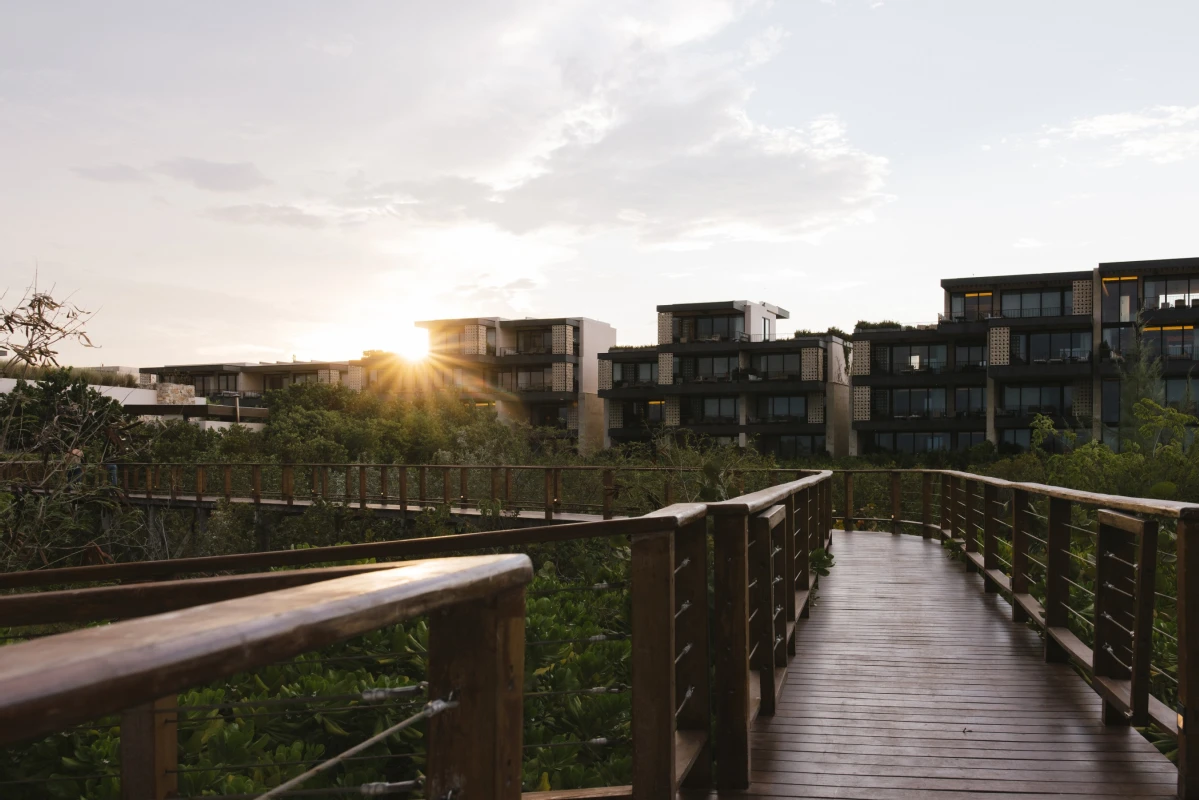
412, 343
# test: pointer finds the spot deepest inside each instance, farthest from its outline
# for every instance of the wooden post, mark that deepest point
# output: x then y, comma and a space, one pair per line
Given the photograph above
1019, 552
1057, 563
896, 502
970, 543
509, 486
1142, 626
654, 652
477, 653
149, 750
445, 487
990, 545
730, 646
761, 608
954, 522
402, 488
287, 477
926, 505
558, 489
691, 628
848, 501
495, 484
324, 481
668, 490
199, 483
1114, 609
946, 509
609, 492
788, 571
1188, 656
256, 478
803, 543
549, 493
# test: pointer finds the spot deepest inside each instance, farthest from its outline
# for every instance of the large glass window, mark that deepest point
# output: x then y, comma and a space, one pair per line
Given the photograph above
549, 416
1119, 301
1181, 393
701, 410
1038, 303
778, 366
966, 306
718, 368
781, 409
1170, 343
1162, 293
789, 447
902, 359
226, 383
968, 439
639, 413
1116, 342
970, 357
526, 380
908, 403
537, 341
970, 401
1110, 396
491, 341
1049, 348
909, 442
641, 373
720, 329
1022, 401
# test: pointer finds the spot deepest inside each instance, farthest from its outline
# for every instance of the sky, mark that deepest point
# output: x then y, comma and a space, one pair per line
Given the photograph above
230, 181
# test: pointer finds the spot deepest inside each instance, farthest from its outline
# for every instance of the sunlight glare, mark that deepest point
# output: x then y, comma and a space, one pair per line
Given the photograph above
412, 343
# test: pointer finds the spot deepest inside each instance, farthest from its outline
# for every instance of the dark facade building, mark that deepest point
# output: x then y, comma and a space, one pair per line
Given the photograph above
720, 369
1007, 348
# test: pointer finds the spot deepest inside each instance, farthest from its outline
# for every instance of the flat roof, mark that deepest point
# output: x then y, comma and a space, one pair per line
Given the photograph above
246, 366
445, 323
1154, 264
1011, 280
727, 305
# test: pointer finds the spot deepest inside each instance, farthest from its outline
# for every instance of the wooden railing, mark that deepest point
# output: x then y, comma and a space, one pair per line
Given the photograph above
138, 667
760, 582
605, 491
1106, 579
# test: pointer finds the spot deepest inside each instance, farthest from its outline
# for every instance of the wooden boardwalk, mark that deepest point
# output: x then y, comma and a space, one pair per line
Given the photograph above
909, 683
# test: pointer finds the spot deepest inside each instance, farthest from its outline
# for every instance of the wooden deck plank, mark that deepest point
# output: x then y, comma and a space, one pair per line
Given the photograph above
909, 682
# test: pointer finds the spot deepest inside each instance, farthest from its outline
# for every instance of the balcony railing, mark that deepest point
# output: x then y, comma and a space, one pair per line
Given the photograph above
1154, 304
791, 419
633, 384
931, 367
1077, 357
890, 416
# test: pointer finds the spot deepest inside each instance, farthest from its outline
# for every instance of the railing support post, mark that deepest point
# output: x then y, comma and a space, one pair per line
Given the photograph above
1057, 568
477, 654
848, 502
990, 545
946, 507
1019, 552
970, 544
150, 750
654, 652
609, 492
926, 505
1188, 656
730, 646
691, 627
896, 506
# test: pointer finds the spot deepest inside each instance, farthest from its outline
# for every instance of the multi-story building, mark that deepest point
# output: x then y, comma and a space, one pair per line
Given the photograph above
539, 371
245, 379
719, 369
1007, 348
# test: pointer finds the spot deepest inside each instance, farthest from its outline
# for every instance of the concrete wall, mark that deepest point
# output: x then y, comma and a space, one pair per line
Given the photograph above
592, 430
249, 381
837, 399
594, 338
122, 394
754, 314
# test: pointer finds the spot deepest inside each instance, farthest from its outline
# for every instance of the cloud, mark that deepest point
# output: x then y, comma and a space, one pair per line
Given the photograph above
112, 173
339, 47
653, 137
267, 214
214, 176
1162, 134
1027, 243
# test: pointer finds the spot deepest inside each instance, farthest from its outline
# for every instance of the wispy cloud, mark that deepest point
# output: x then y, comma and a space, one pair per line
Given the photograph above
1162, 134
267, 214
112, 173
214, 176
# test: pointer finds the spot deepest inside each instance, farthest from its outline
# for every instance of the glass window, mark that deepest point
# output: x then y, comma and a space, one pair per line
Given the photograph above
970, 401
1110, 398
1119, 300
970, 357
491, 341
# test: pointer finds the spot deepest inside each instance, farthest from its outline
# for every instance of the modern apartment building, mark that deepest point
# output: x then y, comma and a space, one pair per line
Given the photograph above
245, 379
539, 371
719, 369
1006, 348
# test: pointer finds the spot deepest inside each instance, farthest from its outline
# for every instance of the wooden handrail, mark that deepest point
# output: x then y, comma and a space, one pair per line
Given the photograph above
476, 645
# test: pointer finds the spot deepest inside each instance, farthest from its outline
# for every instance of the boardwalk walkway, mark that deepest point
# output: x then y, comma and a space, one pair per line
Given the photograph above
910, 684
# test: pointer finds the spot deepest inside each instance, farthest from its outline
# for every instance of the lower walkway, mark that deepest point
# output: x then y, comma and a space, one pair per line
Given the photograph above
910, 683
